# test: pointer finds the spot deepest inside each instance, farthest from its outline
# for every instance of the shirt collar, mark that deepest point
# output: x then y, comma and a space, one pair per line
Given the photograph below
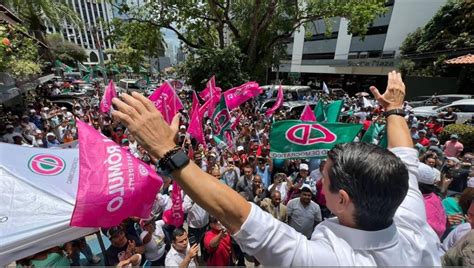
364, 240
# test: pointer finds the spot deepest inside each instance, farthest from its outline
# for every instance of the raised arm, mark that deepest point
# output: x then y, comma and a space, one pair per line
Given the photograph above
146, 123
397, 129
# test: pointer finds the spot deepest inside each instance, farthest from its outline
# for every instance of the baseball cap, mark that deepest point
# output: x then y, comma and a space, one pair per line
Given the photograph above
414, 126
182, 127
114, 231
9, 126
454, 159
124, 140
118, 128
63, 108
454, 136
304, 167
434, 140
50, 134
427, 174
415, 136
212, 154
307, 187
32, 111
422, 131
240, 148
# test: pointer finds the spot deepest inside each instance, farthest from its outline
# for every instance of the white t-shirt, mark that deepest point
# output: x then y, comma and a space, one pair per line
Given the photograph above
155, 248
197, 216
408, 241
303, 218
282, 188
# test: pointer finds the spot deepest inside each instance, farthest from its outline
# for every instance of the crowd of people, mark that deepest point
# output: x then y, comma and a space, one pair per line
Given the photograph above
291, 191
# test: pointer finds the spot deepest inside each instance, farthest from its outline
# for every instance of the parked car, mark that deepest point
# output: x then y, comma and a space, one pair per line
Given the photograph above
418, 101
441, 100
297, 106
463, 108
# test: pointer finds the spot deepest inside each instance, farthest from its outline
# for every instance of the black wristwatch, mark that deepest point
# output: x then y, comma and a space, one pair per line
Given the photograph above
173, 160
399, 112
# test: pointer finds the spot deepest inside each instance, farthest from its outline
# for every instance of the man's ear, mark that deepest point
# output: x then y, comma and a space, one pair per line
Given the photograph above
344, 199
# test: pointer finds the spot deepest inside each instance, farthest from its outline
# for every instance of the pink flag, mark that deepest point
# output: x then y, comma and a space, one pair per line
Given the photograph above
109, 94
236, 122
177, 207
210, 89
210, 105
230, 140
308, 114
166, 101
195, 125
238, 95
278, 102
113, 184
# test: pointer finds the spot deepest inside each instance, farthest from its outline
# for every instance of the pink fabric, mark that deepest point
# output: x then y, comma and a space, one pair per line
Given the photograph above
195, 125
277, 104
238, 95
435, 214
166, 101
236, 122
177, 207
113, 184
453, 149
210, 89
308, 114
210, 105
109, 94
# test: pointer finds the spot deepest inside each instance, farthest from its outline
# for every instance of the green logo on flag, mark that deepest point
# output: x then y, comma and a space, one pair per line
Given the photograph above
298, 139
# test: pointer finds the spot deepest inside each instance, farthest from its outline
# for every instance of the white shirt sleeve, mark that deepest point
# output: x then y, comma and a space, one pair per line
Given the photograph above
187, 204
317, 213
277, 244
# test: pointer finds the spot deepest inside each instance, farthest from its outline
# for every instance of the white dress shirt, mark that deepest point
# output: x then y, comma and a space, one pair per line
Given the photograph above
197, 216
456, 235
175, 258
409, 241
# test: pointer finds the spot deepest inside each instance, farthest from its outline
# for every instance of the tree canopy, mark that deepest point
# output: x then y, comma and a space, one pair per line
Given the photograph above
64, 50
258, 29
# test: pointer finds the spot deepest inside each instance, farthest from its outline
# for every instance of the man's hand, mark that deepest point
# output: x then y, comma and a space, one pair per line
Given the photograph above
394, 94
192, 252
131, 246
146, 123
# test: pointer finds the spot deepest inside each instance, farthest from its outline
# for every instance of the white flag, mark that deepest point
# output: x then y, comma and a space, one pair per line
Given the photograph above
325, 88
367, 103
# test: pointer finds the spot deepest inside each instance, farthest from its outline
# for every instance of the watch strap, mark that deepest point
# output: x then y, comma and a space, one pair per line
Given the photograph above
174, 159
399, 112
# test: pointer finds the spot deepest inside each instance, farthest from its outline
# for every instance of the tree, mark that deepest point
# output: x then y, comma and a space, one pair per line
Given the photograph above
65, 51
225, 63
19, 53
258, 28
36, 12
126, 55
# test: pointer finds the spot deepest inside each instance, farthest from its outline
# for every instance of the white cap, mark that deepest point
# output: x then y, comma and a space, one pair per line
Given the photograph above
50, 134
32, 111
454, 159
307, 186
63, 108
470, 182
427, 174
182, 127
304, 166
240, 148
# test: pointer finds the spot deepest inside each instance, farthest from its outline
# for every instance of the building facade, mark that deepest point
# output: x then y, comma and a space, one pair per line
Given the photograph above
92, 35
344, 58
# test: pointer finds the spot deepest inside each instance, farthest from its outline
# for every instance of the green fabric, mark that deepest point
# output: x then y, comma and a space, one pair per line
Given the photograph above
53, 260
63, 66
452, 207
333, 110
221, 119
297, 139
372, 133
319, 112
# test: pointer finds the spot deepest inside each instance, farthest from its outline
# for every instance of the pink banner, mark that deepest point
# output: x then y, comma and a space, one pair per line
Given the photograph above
308, 114
166, 101
210, 89
113, 184
230, 140
236, 122
177, 207
238, 95
209, 106
277, 104
195, 125
109, 94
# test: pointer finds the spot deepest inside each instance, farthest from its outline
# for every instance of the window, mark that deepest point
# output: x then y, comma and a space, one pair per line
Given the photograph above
376, 30
322, 36
319, 56
93, 57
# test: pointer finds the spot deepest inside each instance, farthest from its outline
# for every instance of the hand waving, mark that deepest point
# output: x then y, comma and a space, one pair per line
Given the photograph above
394, 94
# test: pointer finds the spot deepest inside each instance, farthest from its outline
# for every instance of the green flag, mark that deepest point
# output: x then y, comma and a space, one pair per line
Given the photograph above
220, 119
114, 69
142, 70
297, 139
333, 110
87, 77
82, 68
384, 141
319, 112
63, 66
372, 133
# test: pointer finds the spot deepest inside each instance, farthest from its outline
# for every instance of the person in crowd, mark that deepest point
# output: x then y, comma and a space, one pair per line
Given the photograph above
181, 253
51, 141
118, 135
8, 137
300, 178
217, 244
124, 249
452, 147
264, 170
454, 170
303, 213
258, 192
153, 240
274, 206
456, 207
245, 181
230, 174
455, 236
423, 140
281, 184
197, 219
372, 192
449, 117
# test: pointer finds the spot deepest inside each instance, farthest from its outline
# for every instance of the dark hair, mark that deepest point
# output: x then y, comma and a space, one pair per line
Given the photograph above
465, 199
375, 179
305, 189
177, 233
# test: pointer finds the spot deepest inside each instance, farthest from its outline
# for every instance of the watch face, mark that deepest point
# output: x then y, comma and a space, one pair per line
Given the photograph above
178, 160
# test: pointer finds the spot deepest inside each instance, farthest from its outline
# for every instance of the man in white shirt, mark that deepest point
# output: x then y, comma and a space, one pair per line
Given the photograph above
197, 218
181, 254
303, 213
380, 213
460, 231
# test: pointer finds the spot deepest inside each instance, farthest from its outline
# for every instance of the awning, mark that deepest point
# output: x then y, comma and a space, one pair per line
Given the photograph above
462, 60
